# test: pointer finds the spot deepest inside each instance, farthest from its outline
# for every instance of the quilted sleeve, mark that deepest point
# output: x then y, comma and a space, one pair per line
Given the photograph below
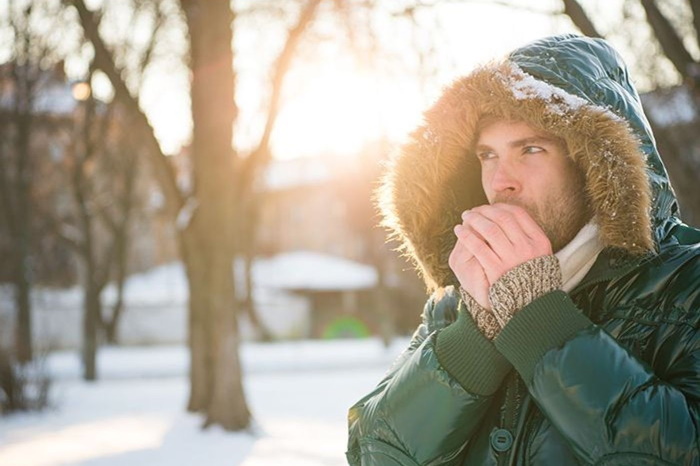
430, 403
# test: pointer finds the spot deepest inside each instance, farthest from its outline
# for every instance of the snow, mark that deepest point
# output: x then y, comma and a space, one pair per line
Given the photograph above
668, 107
52, 96
298, 392
156, 300
303, 171
167, 284
524, 86
55, 98
305, 270
184, 216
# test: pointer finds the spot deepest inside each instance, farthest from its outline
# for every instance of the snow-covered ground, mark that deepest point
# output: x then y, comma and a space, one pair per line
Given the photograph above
298, 392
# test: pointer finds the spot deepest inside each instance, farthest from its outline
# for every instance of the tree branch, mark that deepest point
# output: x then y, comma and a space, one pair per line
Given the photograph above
107, 219
148, 53
103, 268
66, 233
574, 10
158, 22
409, 10
671, 43
260, 156
8, 206
104, 61
695, 8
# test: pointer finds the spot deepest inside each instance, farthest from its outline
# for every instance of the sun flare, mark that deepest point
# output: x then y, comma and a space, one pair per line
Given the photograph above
339, 112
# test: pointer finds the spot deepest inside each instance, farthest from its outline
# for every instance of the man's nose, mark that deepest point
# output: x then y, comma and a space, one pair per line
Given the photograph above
505, 179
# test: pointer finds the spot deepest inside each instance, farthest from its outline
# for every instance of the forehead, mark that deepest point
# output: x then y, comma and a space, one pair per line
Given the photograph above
494, 131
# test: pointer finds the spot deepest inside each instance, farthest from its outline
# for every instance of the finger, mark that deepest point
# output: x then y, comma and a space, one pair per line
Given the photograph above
460, 231
507, 222
483, 253
530, 243
461, 259
528, 224
463, 231
464, 264
490, 231
459, 251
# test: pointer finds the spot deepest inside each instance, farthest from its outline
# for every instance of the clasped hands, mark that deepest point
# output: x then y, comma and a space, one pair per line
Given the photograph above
492, 240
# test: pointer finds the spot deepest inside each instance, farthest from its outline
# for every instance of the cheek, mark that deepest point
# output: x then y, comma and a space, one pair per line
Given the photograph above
485, 183
560, 193
554, 177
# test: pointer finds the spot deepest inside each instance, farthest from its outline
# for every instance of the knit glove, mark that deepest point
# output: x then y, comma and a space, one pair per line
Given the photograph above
523, 284
483, 318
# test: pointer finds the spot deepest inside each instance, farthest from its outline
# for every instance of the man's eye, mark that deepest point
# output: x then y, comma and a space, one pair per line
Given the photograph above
483, 156
532, 149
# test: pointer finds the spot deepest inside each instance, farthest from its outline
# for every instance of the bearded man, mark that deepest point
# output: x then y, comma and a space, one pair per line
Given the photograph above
563, 324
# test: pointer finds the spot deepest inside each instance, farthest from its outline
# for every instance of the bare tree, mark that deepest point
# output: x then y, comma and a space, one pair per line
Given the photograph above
656, 37
124, 161
27, 74
209, 218
254, 164
360, 31
100, 177
215, 220
96, 260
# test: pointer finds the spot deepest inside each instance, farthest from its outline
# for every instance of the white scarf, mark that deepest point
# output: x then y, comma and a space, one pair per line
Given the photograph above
577, 257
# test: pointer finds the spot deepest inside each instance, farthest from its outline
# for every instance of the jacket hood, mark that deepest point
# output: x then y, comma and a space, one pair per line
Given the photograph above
575, 88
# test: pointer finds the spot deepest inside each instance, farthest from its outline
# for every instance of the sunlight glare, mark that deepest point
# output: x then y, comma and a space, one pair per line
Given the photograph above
87, 441
340, 112
284, 443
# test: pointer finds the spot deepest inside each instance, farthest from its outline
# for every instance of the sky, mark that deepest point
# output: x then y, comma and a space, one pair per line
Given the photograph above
334, 103
335, 100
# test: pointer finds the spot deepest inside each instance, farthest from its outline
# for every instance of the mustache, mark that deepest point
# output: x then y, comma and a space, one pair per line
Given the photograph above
530, 209
500, 199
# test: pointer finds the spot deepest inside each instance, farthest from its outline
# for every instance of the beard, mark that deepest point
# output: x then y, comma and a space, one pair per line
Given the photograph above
560, 215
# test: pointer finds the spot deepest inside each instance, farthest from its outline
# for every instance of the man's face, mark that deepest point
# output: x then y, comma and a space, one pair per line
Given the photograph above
524, 167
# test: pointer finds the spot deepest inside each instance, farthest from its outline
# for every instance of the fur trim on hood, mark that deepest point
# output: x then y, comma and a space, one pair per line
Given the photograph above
435, 176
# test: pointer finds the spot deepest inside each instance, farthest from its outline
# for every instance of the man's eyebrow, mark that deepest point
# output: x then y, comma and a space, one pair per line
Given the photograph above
521, 142
480, 147
532, 140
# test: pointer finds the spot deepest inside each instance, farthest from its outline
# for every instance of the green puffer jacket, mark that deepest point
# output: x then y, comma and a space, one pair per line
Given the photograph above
608, 373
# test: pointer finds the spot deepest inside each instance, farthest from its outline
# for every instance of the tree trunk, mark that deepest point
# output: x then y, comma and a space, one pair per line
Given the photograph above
227, 405
121, 242
208, 239
111, 323
9, 385
91, 316
252, 206
200, 372
682, 173
23, 334
216, 387
671, 43
574, 10
249, 303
